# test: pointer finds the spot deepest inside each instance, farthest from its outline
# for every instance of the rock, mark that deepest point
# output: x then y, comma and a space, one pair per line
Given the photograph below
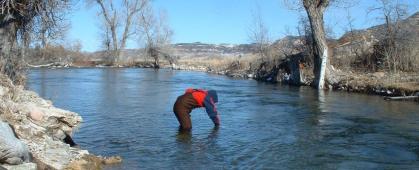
3, 91
25, 166
93, 162
12, 150
379, 74
40, 127
36, 114
112, 160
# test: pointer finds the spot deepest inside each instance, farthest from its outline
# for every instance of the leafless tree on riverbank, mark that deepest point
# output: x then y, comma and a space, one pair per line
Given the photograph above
119, 22
352, 50
315, 10
259, 35
305, 34
156, 35
398, 48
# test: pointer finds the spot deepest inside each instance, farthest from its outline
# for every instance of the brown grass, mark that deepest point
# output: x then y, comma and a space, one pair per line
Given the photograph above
219, 62
405, 86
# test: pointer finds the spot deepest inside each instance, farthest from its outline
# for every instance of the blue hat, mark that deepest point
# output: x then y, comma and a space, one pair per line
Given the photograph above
213, 95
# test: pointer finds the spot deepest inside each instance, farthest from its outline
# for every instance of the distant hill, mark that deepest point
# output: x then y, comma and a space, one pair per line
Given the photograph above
340, 48
195, 49
409, 26
200, 49
361, 42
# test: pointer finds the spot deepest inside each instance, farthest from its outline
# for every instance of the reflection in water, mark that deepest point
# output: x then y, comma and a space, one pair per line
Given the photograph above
128, 112
185, 136
214, 132
322, 100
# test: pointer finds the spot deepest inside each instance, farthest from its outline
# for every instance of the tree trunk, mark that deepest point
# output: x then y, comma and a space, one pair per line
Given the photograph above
156, 62
43, 35
26, 38
155, 55
111, 22
8, 31
115, 45
315, 10
7, 35
125, 34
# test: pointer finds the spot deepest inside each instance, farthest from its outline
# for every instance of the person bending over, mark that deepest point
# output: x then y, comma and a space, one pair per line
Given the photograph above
195, 98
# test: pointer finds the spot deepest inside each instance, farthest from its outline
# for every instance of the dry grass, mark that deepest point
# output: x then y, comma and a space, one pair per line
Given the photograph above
405, 86
219, 62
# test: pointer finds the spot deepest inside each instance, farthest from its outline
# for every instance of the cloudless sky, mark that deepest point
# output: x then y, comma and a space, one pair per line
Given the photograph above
224, 21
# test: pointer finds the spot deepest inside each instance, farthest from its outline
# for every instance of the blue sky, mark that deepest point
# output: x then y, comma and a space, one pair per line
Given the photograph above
224, 21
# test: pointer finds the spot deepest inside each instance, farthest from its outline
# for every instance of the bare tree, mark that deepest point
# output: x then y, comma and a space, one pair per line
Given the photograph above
118, 21
315, 10
18, 19
305, 35
352, 41
259, 35
156, 34
392, 45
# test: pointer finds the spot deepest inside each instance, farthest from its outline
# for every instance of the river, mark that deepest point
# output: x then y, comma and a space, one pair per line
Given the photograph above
128, 112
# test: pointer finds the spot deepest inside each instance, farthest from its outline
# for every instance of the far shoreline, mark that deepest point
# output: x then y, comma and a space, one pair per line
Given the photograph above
388, 93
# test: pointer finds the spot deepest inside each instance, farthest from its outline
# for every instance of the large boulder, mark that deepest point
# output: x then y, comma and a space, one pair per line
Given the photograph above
24, 166
12, 150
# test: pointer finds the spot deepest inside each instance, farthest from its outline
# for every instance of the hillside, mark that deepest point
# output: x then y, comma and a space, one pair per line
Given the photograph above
359, 46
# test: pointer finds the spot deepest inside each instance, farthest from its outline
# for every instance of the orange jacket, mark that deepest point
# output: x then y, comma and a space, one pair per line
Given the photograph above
206, 99
198, 94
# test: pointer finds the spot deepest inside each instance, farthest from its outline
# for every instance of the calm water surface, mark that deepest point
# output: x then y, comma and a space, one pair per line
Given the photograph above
128, 112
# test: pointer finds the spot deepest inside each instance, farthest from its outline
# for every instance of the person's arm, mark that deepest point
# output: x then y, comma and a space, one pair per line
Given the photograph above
211, 110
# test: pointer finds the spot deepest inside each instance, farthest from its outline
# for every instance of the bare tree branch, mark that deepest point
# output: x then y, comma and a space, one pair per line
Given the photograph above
19, 19
116, 15
157, 35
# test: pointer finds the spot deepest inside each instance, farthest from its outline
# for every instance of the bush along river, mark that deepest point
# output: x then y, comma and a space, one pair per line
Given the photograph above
128, 112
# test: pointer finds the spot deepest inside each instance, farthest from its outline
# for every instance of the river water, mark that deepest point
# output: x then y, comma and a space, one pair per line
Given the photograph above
128, 112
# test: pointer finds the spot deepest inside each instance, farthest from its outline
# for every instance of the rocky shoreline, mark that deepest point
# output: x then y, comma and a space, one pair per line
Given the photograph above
41, 127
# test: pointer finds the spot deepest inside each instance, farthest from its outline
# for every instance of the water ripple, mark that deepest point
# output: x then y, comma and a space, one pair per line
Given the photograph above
128, 112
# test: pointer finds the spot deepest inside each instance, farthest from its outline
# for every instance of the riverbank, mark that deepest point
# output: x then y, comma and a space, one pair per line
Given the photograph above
373, 83
42, 128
